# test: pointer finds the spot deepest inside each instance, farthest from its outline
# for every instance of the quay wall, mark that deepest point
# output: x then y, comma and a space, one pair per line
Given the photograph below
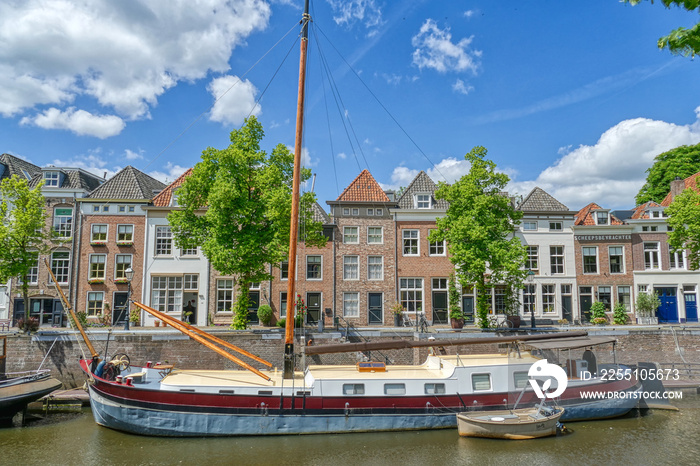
60, 350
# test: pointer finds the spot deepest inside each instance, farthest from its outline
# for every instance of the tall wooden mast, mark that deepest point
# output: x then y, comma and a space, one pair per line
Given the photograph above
294, 229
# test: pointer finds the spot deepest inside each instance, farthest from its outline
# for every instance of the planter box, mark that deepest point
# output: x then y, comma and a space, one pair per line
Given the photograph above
125, 243
647, 320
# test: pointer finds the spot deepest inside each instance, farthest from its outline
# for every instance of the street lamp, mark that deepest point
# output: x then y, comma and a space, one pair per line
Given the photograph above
530, 279
129, 274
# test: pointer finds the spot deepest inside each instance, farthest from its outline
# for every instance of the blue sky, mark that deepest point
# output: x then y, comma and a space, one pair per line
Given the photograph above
573, 97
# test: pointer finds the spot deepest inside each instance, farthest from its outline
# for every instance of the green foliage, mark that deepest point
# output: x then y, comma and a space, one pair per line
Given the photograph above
680, 162
82, 318
620, 316
684, 219
478, 227
282, 322
236, 205
598, 311
265, 314
240, 311
680, 41
647, 304
23, 232
453, 298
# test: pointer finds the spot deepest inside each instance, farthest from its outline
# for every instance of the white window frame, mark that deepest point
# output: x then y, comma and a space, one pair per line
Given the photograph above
189, 252
349, 237
375, 271
530, 225
437, 248
556, 259
320, 266
65, 265
676, 260
127, 231
167, 298
652, 256
411, 294
549, 298
224, 294
97, 310
98, 266
374, 235
51, 179
351, 304
410, 242
63, 224
556, 225
100, 227
351, 267
121, 266
423, 201
163, 241
585, 249
622, 258
532, 259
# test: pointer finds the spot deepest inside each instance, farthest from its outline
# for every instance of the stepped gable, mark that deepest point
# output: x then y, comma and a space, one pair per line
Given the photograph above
11, 165
129, 183
585, 216
421, 184
640, 212
320, 215
364, 188
540, 201
165, 197
690, 182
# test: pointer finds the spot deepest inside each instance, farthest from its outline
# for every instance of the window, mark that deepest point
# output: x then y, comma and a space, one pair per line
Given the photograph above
520, 379
97, 266
676, 259
411, 294
394, 388
616, 262
105, 208
355, 212
529, 298
224, 295
601, 217
121, 208
350, 235
346, 211
131, 208
191, 281
481, 382
499, 296
167, 294
353, 389
605, 296
164, 241
437, 248
531, 262
313, 268
422, 201
370, 212
548, 298
95, 300
378, 212
189, 252
63, 222
642, 288
434, 388
651, 256
51, 179
624, 297
556, 259
375, 268
284, 270
555, 226
125, 233
60, 265
351, 265
95, 208
529, 226
33, 273
122, 262
99, 233
410, 242
590, 259
375, 235
283, 304
351, 304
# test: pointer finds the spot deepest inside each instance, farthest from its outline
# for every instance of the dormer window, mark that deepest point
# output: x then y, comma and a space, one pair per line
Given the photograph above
423, 201
51, 179
601, 217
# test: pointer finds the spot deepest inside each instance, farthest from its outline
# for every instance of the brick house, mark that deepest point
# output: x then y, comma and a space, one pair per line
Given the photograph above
423, 268
546, 232
604, 260
112, 238
365, 252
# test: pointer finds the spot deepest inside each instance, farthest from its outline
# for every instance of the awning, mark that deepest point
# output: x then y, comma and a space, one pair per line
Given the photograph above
570, 343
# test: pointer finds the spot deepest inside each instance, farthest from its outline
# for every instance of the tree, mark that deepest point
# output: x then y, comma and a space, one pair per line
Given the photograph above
680, 162
478, 228
681, 41
23, 232
236, 206
684, 222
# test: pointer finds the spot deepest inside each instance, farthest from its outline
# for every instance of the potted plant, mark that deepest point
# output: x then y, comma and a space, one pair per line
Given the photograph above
456, 318
563, 322
598, 316
135, 317
456, 315
620, 316
265, 314
300, 313
647, 304
397, 310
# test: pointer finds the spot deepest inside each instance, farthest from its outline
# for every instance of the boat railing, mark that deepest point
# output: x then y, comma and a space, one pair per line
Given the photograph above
687, 370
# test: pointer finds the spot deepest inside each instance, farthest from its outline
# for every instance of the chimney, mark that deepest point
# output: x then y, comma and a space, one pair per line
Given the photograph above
677, 187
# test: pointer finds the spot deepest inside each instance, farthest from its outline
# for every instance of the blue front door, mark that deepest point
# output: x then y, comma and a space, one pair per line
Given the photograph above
668, 311
691, 308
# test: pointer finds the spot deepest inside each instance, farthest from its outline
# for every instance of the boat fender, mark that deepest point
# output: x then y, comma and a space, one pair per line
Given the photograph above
100, 368
310, 342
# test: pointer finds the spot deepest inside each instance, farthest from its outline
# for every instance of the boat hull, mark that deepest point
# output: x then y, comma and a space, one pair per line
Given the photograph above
520, 424
17, 393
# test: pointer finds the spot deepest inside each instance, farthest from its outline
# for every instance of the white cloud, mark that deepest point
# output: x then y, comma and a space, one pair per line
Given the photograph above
342, 155
611, 171
94, 162
80, 122
131, 155
349, 12
169, 173
123, 54
469, 13
461, 87
434, 49
449, 170
236, 100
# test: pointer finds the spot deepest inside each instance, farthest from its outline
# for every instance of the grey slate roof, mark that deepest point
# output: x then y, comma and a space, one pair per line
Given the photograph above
16, 166
421, 184
74, 179
539, 201
320, 215
129, 183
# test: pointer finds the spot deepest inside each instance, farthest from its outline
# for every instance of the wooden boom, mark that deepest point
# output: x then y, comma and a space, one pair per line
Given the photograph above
201, 337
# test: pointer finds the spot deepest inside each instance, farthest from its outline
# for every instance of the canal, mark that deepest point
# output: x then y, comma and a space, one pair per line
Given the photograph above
658, 437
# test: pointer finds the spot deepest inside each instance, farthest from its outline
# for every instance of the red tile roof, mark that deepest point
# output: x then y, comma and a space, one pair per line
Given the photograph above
640, 211
364, 189
585, 216
690, 182
165, 196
